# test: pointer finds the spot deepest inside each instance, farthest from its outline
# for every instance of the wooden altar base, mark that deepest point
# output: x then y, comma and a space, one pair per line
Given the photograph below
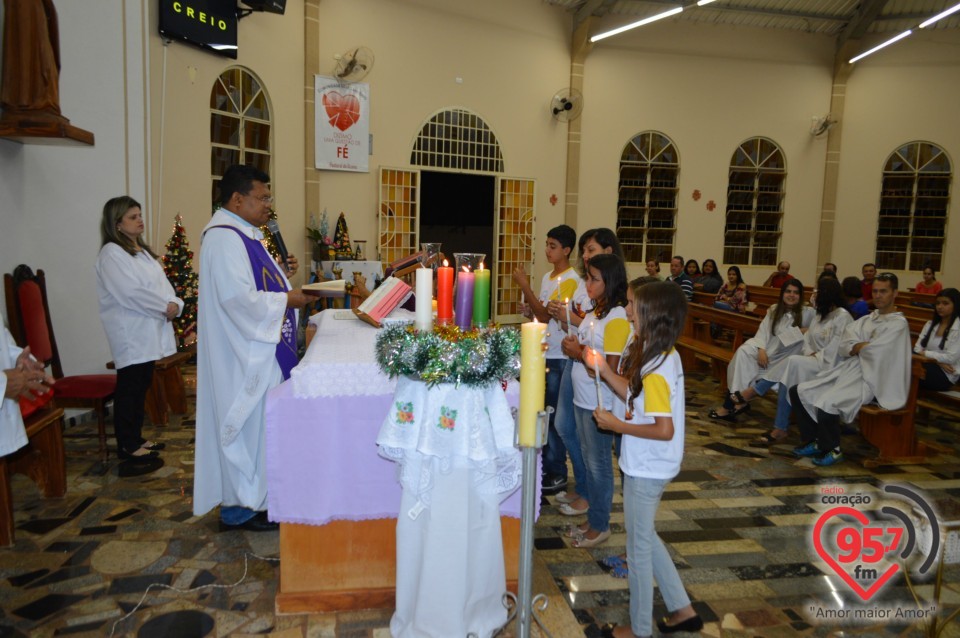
349, 565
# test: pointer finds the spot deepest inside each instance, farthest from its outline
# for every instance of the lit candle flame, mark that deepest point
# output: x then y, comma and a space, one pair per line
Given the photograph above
445, 264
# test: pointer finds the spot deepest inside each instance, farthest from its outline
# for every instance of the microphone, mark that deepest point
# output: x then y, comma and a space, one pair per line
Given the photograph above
274, 229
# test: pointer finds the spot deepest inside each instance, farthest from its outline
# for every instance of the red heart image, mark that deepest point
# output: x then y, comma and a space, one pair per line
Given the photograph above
343, 111
881, 580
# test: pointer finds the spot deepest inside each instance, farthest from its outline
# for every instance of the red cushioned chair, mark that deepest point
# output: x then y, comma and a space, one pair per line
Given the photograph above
29, 316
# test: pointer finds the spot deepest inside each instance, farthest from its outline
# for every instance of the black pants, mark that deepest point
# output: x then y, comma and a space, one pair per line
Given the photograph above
132, 384
825, 429
935, 379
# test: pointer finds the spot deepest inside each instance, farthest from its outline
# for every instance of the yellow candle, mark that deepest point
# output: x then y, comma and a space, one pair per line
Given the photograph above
533, 375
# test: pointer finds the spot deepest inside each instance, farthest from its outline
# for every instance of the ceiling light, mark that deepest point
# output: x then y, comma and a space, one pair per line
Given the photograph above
881, 45
700, 3
940, 16
634, 25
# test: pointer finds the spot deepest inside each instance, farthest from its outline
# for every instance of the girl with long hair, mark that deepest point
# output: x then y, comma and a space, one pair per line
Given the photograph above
653, 438
733, 294
605, 329
940, 340
775, 340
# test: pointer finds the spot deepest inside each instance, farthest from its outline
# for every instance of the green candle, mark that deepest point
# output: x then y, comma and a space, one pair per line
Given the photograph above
481, 297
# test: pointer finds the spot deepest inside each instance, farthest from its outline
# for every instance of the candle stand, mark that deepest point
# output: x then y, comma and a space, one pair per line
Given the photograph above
524, 606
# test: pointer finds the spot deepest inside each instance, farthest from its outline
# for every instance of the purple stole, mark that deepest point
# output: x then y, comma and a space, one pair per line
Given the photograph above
267, 279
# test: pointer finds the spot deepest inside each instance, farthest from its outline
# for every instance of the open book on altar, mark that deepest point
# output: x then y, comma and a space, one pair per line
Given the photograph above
382, 301
334, 285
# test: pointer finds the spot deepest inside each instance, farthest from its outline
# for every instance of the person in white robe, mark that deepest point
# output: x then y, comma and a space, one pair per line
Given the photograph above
821, 351
877, 367
940, 340
22, 376
243, 350
780, 335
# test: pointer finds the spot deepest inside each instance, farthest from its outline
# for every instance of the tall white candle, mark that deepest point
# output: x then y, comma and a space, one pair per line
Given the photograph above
424, 291
566, 302
596, 377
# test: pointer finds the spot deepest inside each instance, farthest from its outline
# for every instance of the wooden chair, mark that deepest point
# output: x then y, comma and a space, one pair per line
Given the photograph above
41, 459
29, 316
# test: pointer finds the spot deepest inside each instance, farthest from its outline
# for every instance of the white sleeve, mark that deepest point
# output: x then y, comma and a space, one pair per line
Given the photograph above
117, 272
950, 354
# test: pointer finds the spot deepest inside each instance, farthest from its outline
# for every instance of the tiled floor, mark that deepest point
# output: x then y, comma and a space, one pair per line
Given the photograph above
737, 521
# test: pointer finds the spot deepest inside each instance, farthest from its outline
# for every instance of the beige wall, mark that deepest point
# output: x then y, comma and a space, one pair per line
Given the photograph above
512, 57
708, 89
907, 92
271, 46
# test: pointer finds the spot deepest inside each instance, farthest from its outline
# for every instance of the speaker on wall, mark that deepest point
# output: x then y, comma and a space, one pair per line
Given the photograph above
270, 6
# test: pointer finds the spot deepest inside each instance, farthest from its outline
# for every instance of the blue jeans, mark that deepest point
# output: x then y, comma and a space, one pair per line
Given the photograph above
598, 457
566, 427
235, 514
782, 420
646, 554
555, 453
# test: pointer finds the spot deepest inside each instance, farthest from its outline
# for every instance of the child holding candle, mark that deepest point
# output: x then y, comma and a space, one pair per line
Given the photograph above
606, 285
559, 283
653, 430
596, 241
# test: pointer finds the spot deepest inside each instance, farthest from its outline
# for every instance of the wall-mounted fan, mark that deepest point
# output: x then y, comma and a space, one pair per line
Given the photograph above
353, 65
820, 125
566, 105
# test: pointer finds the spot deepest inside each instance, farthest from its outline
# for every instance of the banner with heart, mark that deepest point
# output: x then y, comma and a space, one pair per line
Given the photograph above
342, 119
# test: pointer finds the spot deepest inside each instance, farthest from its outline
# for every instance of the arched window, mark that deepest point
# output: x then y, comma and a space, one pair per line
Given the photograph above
913, 207
458, 140
647, 202
240, 124
758, 174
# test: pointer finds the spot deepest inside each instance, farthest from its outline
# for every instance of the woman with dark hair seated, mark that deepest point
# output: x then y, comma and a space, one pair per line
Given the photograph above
733, 294
710, 279
821, 345
692, 268
769, 346
940, 340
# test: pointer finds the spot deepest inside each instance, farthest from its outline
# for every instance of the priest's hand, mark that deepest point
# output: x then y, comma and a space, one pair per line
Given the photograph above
25, 383
292, 266
296, 298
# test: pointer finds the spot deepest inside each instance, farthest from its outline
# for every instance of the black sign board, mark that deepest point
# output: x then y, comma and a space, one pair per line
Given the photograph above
209, 24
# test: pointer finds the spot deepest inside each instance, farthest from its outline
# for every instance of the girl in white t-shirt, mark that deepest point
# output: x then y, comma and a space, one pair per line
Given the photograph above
604, 329
653, 429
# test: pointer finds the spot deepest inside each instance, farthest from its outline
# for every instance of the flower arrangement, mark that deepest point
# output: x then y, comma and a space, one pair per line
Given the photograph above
450, 355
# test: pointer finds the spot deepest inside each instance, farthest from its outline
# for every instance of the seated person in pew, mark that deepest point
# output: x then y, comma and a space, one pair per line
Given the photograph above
779, 336
821, 345
22, 377
877, 366
710, 281
940, 340
853, 292
929, 285
780, 276
733, 294
832, 267
678, 275
692, 268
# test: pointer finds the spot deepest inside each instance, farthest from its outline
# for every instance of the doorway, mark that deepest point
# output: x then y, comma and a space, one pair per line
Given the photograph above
457, 209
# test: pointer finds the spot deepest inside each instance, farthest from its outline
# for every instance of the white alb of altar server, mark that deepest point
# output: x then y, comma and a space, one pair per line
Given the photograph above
12, 435
821, 351
239, 328
880, 371
744, 369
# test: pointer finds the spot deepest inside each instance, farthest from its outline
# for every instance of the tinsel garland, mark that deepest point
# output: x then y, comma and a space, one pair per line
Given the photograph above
449, 355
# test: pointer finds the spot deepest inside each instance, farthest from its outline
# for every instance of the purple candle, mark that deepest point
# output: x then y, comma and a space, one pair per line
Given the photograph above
463, 309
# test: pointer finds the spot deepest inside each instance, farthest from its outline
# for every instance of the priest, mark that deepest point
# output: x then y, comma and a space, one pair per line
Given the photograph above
876, 367
22, 376
247, 330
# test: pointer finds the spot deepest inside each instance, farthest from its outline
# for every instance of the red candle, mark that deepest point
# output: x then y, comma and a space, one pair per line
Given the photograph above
444, 293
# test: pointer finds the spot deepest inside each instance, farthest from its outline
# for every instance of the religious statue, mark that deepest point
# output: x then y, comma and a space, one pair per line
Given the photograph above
31, 61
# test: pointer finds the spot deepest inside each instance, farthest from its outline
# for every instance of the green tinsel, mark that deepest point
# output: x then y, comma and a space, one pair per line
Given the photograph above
449, 355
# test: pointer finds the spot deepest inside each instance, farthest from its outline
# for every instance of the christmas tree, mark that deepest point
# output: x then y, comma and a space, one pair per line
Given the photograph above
178, 266
341, 239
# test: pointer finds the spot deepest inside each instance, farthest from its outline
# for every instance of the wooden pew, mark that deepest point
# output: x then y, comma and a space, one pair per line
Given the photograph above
41, 459
166, 393
696, 340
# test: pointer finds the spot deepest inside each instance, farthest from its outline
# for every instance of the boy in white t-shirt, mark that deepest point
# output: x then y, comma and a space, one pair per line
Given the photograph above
557, 285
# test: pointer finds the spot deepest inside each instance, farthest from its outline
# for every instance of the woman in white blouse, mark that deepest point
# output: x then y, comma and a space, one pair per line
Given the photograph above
940, 340
777, 338
137, 304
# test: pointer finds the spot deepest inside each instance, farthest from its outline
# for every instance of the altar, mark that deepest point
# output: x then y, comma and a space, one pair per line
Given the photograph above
335, 497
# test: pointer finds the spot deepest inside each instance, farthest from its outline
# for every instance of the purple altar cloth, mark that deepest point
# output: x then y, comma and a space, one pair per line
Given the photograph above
322, 460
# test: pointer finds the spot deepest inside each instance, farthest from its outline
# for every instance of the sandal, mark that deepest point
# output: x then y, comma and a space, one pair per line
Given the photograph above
582, 542
729, 417
620, 571
614, 561
574, 531
770, 438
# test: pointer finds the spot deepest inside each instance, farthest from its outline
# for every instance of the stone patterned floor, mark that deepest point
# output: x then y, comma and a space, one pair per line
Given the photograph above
737, 521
